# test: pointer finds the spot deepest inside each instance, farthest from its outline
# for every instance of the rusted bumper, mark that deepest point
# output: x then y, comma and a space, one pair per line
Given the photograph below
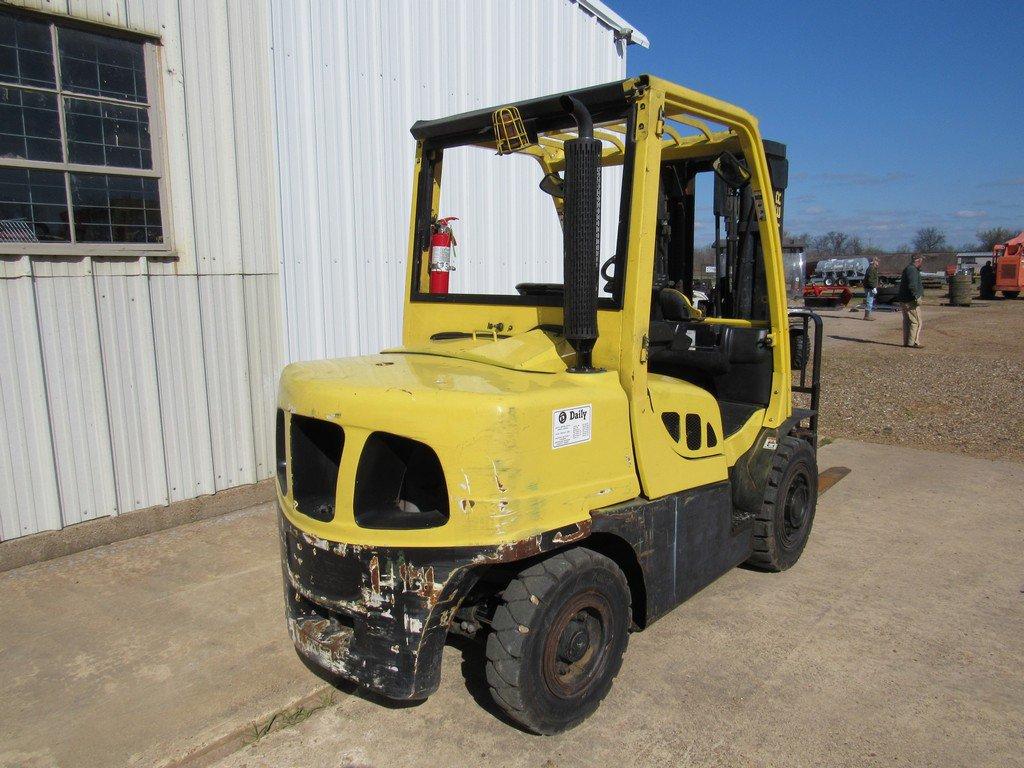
379, 616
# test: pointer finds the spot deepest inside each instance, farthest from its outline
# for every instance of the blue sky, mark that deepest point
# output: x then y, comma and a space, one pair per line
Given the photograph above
897, 115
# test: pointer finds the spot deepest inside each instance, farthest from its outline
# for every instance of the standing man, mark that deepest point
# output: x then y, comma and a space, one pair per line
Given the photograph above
910, 295
870, 288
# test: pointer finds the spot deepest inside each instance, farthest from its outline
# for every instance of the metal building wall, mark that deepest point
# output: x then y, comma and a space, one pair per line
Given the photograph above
350, 78
132, 382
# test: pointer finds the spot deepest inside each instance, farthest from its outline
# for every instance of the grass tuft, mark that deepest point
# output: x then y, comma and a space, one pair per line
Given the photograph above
289, 718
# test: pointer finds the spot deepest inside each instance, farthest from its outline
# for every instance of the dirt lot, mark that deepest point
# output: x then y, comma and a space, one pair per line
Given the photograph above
962, 393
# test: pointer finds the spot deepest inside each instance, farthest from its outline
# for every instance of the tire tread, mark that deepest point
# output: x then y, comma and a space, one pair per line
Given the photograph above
765, 554
505, 644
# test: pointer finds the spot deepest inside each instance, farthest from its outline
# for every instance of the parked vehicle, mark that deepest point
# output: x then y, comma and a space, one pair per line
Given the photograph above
831, 296
1009, 266
840, 272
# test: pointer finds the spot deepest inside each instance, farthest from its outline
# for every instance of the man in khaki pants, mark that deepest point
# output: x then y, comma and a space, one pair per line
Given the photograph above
910, 295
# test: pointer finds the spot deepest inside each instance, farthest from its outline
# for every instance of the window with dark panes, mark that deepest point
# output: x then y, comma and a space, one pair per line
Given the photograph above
78, 161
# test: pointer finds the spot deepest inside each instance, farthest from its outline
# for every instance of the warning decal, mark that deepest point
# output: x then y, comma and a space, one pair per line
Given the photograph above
570, 426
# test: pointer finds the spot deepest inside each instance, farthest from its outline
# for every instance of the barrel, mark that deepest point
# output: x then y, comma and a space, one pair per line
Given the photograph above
960, 290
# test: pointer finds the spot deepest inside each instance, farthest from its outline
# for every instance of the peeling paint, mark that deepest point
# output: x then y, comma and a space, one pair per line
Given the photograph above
497, 480
421, 582
568, 537
374, 574
377, 615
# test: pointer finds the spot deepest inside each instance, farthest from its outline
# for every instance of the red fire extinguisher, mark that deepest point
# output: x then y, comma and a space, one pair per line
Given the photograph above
442, 240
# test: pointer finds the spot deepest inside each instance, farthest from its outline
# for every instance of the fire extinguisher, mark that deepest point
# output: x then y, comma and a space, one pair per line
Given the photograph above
442, 240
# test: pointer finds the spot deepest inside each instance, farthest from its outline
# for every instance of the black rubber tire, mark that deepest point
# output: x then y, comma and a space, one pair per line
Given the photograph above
535, 605
779, 538
1011, 294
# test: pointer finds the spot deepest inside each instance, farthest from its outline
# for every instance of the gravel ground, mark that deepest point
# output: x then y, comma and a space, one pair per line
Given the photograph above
962, 393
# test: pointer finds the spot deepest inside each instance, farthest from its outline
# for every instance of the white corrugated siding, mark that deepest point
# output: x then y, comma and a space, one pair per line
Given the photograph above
348, 85
28, 485
69, 331
126, 383
131, 382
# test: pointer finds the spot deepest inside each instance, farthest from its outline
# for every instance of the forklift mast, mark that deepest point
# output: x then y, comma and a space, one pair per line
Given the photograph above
740, 276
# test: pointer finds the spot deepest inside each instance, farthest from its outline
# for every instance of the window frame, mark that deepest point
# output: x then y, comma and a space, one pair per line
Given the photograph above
157, 136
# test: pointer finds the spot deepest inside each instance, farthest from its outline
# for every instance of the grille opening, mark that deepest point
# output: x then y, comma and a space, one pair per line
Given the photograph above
316, 456
281, 458
671, 421
399, 485
694, 431
712, 438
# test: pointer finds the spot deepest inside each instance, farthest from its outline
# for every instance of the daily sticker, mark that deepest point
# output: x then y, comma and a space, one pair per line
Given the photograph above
570, 426
771, 443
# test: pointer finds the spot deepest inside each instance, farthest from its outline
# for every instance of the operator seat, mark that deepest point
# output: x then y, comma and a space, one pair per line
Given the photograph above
676, 306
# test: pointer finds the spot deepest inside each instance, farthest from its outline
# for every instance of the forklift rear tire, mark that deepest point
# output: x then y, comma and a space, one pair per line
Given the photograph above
784, 522
557, 639
1011, 294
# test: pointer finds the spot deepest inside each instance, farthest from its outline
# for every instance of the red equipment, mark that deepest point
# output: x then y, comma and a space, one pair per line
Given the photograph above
827, 295
442, 240
1008, 262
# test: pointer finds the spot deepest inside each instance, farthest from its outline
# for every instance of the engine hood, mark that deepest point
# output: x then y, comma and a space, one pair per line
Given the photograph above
512, 470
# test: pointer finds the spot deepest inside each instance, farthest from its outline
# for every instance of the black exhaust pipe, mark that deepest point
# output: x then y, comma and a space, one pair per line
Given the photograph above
581, 231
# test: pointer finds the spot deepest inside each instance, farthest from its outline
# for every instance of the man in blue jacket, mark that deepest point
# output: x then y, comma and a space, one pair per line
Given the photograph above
909, 297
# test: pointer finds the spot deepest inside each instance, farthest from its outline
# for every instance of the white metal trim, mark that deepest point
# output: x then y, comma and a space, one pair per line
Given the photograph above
619, 25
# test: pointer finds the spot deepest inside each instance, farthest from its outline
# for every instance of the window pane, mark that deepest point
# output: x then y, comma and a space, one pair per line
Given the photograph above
29, 125
101, 65
100, 133
26, 52
33, 206
115, 209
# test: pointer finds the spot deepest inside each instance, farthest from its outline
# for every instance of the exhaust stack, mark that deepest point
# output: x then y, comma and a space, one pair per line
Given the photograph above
581, 235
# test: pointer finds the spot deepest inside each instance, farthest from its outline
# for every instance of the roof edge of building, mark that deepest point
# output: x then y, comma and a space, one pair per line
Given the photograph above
622, 28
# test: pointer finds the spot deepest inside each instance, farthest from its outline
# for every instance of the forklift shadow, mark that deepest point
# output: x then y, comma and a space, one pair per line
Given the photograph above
474, 661
865, 341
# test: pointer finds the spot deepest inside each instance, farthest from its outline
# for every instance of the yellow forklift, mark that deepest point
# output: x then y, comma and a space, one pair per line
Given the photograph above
548, 466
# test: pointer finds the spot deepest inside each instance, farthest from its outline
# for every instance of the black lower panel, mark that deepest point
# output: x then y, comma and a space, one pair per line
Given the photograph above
683, 542
735, 415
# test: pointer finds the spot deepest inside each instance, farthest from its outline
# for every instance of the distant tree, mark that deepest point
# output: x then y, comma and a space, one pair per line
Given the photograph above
835, 245
987, 238
929, 240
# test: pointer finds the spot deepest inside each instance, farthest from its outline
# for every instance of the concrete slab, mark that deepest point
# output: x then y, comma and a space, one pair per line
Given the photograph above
139, 652
895, 641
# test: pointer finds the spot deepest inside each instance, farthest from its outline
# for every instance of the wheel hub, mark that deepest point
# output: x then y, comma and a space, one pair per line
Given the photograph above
576, 649
574, 642
795, 508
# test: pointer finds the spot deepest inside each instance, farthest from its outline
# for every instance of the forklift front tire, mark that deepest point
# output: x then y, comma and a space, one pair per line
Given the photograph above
784, 522
557, 639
